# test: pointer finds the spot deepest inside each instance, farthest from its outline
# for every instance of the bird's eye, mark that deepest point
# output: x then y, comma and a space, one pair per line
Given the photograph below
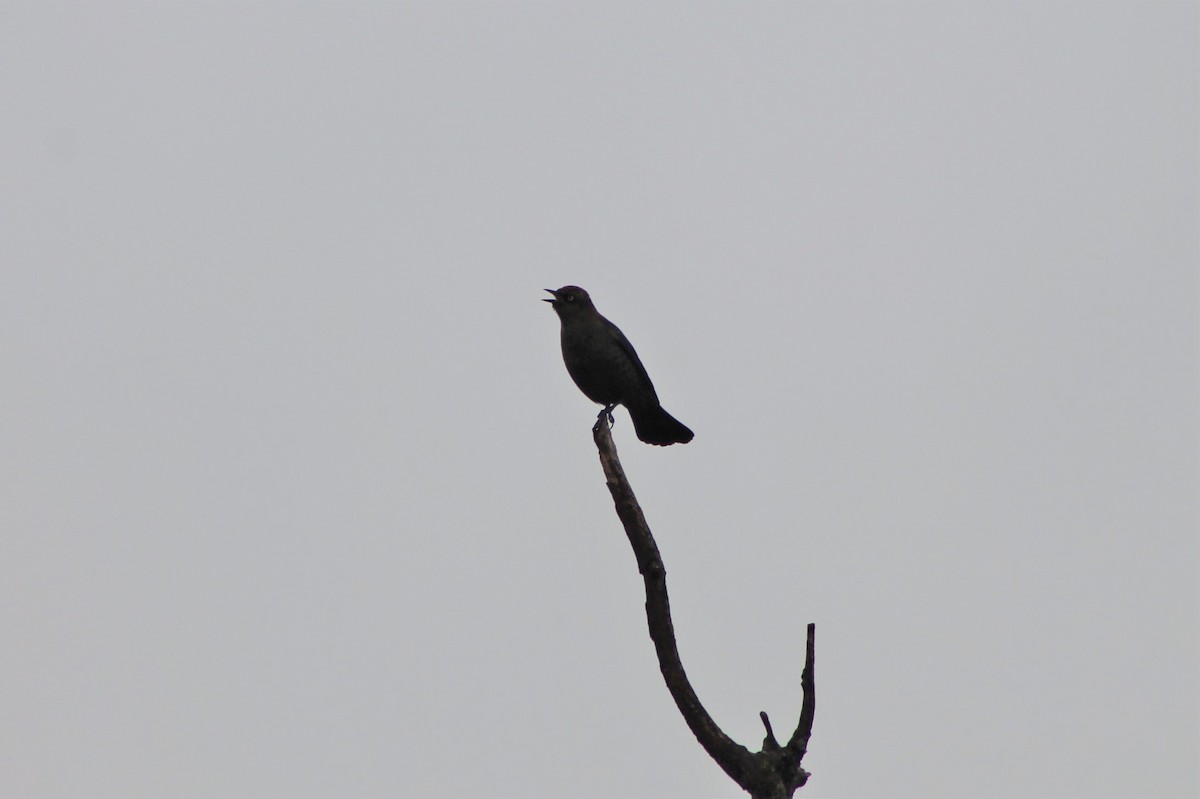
570, 298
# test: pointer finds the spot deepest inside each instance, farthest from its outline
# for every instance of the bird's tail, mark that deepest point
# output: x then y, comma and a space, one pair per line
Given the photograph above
655, 426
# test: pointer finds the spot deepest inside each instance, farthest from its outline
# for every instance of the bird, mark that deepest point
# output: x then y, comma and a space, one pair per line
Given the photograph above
608, 371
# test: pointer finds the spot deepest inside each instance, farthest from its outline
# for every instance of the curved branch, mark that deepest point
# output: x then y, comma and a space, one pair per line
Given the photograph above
772, 773
733, 758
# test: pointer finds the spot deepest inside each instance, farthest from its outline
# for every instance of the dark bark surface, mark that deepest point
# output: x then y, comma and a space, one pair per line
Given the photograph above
774, 772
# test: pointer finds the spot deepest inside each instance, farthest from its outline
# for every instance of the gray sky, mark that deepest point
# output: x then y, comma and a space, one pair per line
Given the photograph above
299, 501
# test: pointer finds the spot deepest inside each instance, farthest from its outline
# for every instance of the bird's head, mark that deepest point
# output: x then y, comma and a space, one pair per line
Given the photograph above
570, 300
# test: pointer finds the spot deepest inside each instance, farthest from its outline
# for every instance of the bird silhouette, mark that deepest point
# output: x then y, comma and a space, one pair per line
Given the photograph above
607, 369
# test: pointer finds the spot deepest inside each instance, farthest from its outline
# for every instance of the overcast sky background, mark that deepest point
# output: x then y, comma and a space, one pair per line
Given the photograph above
299, 501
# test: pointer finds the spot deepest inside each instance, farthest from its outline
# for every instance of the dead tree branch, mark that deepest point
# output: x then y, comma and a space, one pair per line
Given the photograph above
774, 772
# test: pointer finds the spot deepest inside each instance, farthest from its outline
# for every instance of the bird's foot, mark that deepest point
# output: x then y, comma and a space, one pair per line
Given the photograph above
605, 415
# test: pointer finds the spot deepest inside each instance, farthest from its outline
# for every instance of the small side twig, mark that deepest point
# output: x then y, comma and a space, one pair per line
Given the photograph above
769, 742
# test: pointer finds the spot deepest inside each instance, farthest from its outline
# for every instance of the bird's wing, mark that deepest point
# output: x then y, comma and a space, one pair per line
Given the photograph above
628, 349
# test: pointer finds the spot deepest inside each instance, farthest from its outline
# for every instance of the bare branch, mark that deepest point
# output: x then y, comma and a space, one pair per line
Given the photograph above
774, 772
733, 758
798, 743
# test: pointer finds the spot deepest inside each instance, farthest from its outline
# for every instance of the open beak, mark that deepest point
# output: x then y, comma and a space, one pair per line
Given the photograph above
554, 300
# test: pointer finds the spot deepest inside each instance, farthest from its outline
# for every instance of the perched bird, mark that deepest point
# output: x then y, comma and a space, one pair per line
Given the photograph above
604, 365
